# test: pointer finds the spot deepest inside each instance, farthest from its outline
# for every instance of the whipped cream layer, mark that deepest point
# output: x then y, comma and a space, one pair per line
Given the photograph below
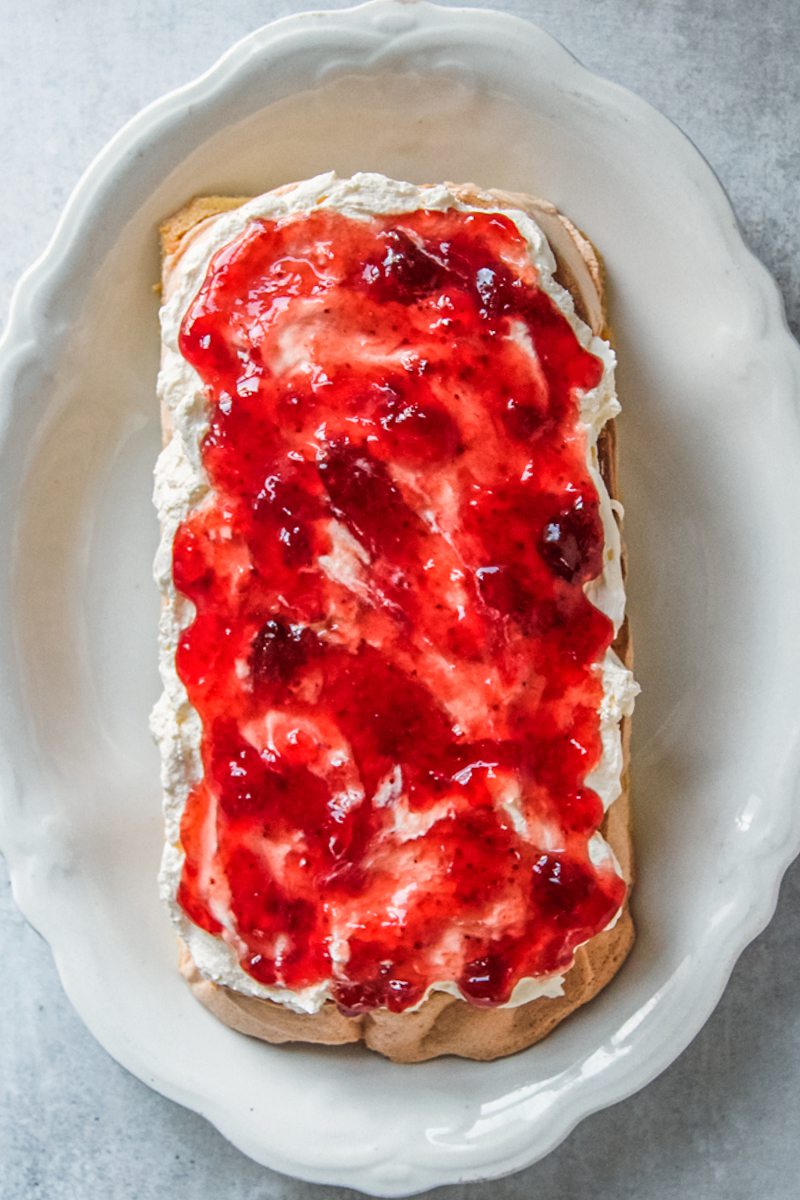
182, 485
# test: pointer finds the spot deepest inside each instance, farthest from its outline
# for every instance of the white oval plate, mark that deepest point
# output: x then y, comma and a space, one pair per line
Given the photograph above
710, 449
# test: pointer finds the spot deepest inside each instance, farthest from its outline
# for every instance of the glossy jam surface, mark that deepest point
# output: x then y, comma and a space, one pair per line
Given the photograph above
392, 655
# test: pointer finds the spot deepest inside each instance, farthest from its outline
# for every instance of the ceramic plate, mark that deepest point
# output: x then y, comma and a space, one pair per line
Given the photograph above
710, 380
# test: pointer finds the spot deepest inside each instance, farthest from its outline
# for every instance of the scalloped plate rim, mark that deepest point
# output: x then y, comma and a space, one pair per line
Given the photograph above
779, 841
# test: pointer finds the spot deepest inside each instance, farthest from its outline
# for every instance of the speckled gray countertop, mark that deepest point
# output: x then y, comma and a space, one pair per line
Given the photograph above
722, 1123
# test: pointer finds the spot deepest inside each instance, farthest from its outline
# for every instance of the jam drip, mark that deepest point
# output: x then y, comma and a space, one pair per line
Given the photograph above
393, 656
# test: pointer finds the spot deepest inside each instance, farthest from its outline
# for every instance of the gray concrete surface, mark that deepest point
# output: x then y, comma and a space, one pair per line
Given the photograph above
723, 1122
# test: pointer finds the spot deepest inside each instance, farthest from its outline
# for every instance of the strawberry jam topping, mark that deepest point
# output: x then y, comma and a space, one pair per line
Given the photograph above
392, 654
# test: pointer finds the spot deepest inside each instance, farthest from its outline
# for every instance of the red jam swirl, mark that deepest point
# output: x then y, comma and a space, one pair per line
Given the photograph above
392, 655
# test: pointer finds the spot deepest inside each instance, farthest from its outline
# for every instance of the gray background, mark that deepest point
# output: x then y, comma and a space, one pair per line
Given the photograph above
723, 1122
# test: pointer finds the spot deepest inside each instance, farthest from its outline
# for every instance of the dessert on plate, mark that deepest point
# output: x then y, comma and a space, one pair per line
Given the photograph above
397, 686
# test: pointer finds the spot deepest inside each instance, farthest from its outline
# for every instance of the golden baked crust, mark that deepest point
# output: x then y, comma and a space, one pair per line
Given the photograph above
444, 1024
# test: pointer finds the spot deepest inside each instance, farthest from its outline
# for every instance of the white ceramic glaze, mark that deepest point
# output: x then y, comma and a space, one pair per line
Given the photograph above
710, 380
